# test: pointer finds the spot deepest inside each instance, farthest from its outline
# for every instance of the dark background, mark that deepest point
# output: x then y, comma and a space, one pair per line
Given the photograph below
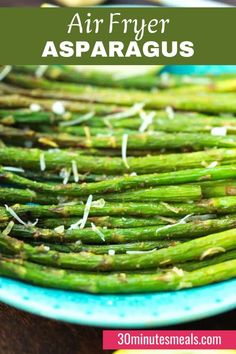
22, 333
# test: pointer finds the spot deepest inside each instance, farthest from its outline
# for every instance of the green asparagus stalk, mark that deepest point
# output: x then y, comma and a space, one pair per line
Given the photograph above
183, 84
15, 195
222, 205
139, 141
181, 193
108, 221
124, 183
92, 77
20, 98
105, 249
209, 103
199, 248
219, 258
208, 190
177, 231
114, 283
56, 160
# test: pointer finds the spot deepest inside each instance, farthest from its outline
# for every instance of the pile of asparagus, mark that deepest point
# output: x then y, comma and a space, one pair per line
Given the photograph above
116, 184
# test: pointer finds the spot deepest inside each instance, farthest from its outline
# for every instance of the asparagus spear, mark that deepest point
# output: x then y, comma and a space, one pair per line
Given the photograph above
15, 195
139, 141
181, 193
56, 160
209, 103
149, 233
208, 190
219, 258
124, 183
192, 250
222, 205
92, 77
105, 249
20, 98
108, 221
114, 283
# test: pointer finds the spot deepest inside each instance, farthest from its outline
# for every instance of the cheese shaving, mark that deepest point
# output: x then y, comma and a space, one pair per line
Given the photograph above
75, 171
35, 107
5, 71
40, 71
13, 169
66, 176
60, 229
211, 252
42, 162
86, 211
140, 252
78, 121
135, 109
98, 232
100, 203
170, 112
147, 120
219, 131
58, 108
181, 221
13, 213
33, 223
124, 149
212, 164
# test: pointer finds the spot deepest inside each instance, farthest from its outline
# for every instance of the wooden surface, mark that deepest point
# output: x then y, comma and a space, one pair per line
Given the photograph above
23, 333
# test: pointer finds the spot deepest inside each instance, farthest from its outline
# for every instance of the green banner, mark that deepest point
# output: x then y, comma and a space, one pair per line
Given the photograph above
118, 35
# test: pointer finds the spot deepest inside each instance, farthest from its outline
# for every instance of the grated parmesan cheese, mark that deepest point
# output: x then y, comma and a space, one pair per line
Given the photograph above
98, 232
124, 149
135, 109
13, 169
100, 203
219, 131
81, 223
35, 107
66, 176
140, 252
147, 120
75, 171
212, 164
58, 108
80, 120
14, 215
181, 221
42, 162
60, 229
40, 71
170, 112
5, 71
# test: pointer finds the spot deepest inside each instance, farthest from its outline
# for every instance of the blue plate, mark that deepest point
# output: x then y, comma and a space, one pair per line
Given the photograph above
121, 311
127, 311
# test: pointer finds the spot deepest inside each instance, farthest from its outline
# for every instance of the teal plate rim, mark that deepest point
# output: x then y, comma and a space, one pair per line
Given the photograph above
121, 311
